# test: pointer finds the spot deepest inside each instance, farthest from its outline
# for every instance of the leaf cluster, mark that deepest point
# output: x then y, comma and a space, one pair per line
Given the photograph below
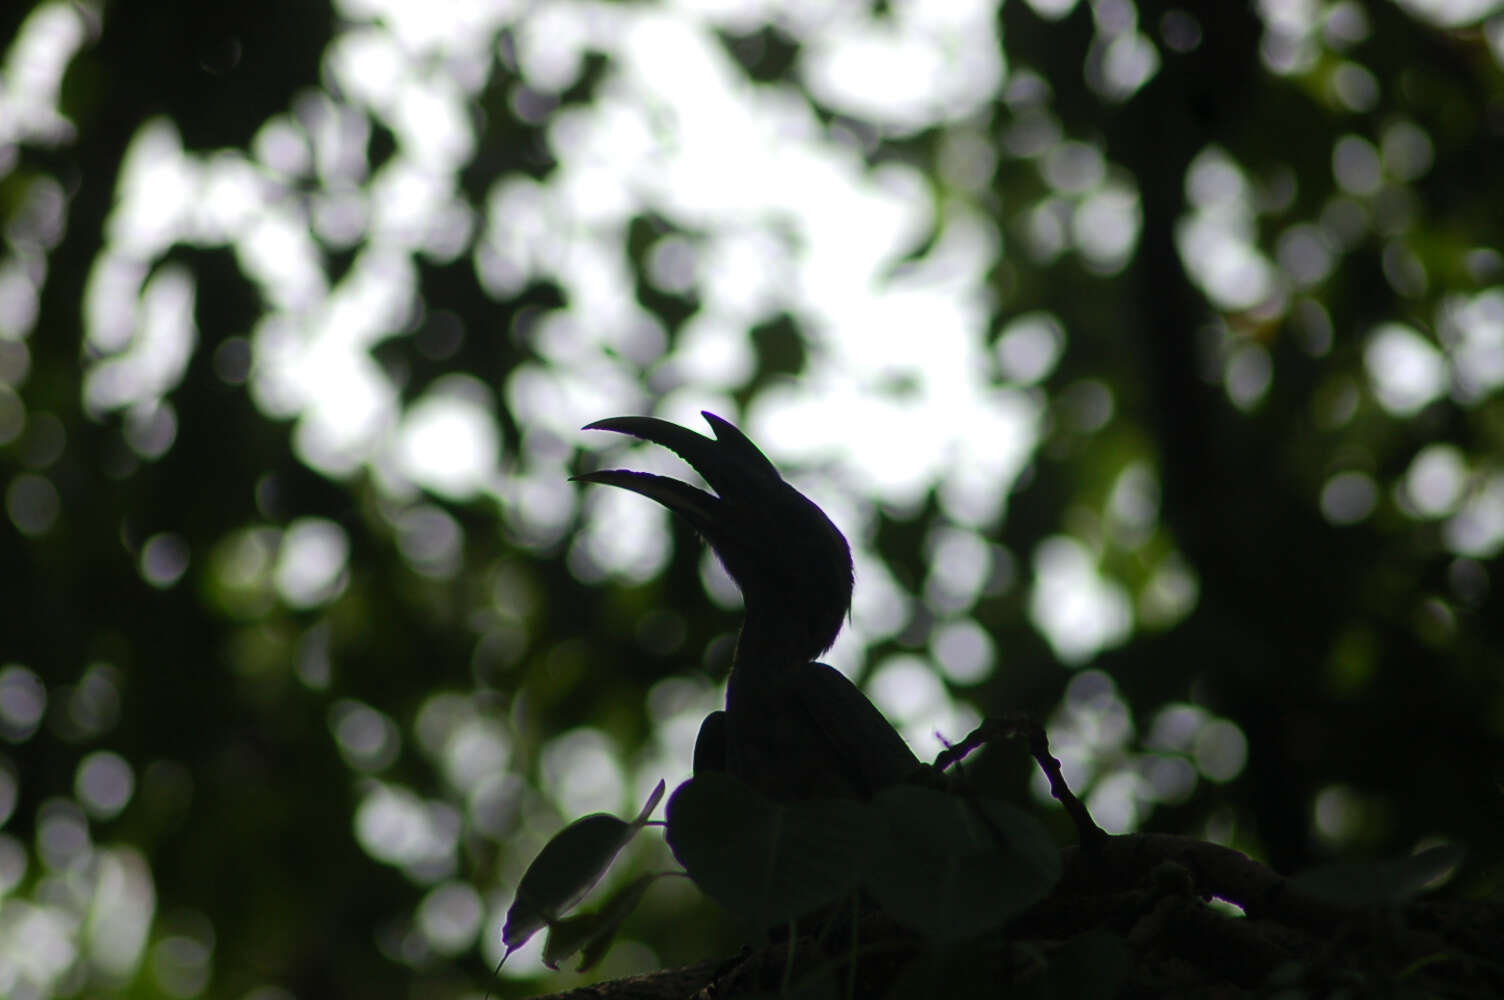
946, 866
563, 873
920, 889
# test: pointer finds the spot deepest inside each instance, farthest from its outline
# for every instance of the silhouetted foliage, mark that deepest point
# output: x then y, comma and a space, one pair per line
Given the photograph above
1149, 355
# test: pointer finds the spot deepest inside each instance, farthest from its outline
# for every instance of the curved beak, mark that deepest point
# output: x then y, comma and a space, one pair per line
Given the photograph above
696, 506
729, 462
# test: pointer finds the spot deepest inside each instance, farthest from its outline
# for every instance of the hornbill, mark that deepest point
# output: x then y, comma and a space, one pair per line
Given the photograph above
793, 728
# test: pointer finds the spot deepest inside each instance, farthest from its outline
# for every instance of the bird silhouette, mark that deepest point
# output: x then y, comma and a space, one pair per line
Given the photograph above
793, 728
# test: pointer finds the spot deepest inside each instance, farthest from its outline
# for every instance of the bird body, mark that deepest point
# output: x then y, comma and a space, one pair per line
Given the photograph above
815, 735
793, 728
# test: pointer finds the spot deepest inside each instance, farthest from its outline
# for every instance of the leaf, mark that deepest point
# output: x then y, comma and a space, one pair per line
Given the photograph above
567, 869
654, 797
953, 867
612, 916
1355, 884
569, 935
563, 872
764, 861
593, 932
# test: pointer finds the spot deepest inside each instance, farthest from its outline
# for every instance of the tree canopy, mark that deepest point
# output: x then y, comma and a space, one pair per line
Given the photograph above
1148, 355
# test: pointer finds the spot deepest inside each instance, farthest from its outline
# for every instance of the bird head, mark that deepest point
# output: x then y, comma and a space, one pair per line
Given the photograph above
792, 564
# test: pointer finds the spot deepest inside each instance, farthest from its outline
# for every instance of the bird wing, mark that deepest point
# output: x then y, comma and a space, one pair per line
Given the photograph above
864, 744
710, 745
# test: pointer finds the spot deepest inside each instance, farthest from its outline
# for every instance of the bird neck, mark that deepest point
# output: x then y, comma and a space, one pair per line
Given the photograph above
768, 648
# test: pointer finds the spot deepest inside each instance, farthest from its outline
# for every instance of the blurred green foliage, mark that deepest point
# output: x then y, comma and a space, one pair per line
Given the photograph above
285, 712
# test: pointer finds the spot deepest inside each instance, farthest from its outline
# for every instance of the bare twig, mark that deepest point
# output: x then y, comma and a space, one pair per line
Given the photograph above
1018, 724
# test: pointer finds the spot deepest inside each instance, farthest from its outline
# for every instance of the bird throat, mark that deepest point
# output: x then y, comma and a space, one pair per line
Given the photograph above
770, 646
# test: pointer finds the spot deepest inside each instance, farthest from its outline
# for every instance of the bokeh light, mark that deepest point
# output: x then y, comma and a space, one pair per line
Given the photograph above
104, 784
1076, 609
874, 258
311, 563
23, 699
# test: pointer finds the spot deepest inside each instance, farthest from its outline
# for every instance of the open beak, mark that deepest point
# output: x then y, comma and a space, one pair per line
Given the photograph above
730, 463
